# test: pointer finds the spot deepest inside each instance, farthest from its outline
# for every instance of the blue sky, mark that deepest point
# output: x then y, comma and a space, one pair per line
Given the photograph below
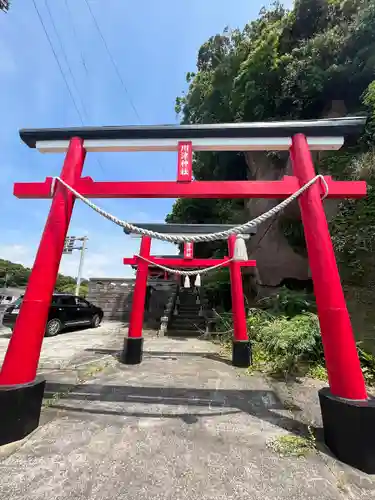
154, 44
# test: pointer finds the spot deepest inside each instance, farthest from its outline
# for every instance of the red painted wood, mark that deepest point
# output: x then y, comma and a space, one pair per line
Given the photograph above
177, 263
197, 189
343, 367
238, 306
185, 162
139, 295
22, 356
188, 250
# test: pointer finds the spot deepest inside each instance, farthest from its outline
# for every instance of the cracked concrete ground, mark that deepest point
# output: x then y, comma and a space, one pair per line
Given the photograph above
182, 425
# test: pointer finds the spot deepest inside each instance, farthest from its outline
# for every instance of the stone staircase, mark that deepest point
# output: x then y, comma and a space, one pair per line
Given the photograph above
186, 320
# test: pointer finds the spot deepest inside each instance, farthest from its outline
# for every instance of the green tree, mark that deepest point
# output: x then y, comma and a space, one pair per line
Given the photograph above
4, 5
303, 63
17, 275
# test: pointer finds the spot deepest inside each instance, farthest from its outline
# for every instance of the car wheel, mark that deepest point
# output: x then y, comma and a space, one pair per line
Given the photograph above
53, 327
95, 322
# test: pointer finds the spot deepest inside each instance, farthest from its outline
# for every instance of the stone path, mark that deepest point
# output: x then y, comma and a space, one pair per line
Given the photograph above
182, 425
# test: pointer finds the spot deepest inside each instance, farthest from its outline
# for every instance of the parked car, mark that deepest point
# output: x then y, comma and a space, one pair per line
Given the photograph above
65, 310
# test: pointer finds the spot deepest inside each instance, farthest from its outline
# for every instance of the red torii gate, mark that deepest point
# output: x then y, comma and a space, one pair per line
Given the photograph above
348, 414
241, 352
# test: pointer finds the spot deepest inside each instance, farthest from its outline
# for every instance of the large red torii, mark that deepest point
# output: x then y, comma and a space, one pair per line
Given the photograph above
348, 414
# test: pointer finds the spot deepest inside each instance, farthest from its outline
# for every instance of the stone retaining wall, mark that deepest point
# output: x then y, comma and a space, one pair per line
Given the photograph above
115, 295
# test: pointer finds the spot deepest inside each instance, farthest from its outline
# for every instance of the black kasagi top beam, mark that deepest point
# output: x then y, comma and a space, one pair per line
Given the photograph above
332, 127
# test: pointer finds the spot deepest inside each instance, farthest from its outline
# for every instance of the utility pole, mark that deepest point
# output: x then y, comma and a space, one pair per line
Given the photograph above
6, 277
70, 245
80, 267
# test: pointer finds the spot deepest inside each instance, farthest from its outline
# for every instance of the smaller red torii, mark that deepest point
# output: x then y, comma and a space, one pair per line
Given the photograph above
133, 345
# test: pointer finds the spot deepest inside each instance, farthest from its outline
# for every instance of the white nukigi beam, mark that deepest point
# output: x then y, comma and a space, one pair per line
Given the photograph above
199, 144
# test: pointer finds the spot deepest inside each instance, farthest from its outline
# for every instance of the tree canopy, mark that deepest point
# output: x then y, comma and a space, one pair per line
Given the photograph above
4, 5
288, 64
17, 275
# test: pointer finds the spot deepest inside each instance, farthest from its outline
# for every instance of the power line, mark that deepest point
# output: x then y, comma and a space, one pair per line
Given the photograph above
65, 57
61, 69
113, 61
58, 62
75, 34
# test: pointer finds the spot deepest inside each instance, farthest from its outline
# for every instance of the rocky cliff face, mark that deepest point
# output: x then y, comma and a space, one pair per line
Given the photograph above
276, 259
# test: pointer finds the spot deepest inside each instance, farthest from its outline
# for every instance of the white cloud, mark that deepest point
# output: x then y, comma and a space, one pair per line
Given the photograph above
19, 254
95, 264
101, 260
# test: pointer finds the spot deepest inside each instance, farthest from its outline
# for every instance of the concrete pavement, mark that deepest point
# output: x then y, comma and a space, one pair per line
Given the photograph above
72, 346
182, 425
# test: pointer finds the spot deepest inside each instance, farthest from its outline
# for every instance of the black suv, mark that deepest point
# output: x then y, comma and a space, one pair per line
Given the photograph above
65, 310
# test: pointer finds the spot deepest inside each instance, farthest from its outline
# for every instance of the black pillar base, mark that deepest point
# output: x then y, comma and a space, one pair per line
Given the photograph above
132, 351
349, 430
20, 407
241, 354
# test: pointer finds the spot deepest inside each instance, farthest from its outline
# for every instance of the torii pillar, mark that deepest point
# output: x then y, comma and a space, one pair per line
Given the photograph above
348, 414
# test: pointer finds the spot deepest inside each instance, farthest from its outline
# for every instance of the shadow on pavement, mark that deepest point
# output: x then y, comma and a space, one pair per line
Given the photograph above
166, 354
264, 405
99, 350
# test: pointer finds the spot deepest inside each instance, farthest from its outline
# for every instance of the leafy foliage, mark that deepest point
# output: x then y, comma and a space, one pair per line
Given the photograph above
4, 5
288, 303
217, 290
288, 342
17, 275
290, 64
285, 337
368, 365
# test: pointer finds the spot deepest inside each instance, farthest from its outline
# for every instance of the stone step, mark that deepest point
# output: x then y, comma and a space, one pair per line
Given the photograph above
186, 326
183, 333
182, 321
190, 310
189, 315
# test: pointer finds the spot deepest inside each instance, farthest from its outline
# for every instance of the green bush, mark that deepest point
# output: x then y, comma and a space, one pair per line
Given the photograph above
286, 339
256, 320
288, 303
293, 346
217, 289
224, 326
368, 365
291, 342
